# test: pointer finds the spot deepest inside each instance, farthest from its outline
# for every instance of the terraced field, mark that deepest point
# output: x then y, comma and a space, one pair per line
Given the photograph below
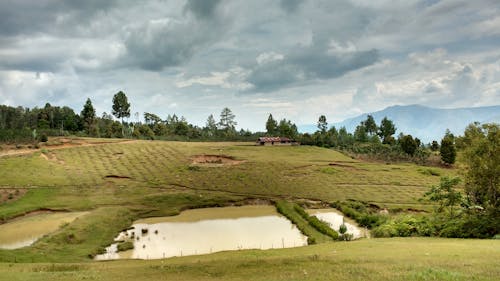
297, 172
119, 182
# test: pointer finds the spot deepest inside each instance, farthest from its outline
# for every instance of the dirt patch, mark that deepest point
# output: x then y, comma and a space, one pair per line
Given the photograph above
117, 177
11, 194
50, 156
340, 165
218, 160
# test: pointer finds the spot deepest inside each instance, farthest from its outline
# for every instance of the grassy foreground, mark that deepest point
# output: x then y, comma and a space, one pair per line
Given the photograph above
120, 182
369, 259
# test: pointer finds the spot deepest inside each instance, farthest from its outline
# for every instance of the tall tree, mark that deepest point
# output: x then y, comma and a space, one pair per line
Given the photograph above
482, 160
88, 115
211, 126
322, 124
227, 123
370, 125
386, 130
271, 125
447, 150
121, 107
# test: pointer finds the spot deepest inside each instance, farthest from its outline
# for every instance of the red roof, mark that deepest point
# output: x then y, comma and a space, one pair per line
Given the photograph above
274, 139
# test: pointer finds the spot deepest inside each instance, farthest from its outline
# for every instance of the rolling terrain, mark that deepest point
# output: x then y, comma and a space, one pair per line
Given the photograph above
120, 181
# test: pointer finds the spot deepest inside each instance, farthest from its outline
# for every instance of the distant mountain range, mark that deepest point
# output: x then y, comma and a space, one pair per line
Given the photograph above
423, 122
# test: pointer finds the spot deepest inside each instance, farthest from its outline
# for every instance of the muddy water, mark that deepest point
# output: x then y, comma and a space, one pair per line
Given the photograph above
26, 230
209, 230
335, 219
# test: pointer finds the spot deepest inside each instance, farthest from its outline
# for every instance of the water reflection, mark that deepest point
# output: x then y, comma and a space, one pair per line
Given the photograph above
255, 227
25, 231
335, 220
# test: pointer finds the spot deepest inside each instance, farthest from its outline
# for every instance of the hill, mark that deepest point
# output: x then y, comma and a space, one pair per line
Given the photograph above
426, 123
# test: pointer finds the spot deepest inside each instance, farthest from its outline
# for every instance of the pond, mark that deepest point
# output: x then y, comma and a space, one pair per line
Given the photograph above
24, 231
209, 230
335, 219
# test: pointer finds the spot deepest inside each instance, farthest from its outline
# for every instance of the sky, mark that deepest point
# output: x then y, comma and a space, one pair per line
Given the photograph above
295, 59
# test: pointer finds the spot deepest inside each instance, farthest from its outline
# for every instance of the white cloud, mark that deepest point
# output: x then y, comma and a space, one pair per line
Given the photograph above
264, 58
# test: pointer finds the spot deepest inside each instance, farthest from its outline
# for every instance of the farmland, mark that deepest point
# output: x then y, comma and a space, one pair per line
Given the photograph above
118, 182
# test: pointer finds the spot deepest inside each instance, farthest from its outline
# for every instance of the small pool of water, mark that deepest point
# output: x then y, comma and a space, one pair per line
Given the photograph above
26, 230
335, 219
209, 230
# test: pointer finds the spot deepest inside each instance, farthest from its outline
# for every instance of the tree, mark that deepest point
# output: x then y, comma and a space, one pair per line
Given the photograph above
482, 160
386, 130
211, 126
88, 115
287, 129
227, 123
271, 125
322, 124
360, 133
447, 150
408, 144
434, 146
121, 106
370, 125
445, 195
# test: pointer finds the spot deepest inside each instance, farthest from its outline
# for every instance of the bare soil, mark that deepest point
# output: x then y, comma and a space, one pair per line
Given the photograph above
11, 194
219, 160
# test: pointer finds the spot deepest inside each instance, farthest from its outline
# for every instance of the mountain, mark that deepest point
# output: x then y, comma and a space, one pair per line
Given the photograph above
423, 122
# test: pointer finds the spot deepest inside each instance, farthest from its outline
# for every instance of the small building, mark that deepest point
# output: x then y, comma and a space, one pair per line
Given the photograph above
276, 141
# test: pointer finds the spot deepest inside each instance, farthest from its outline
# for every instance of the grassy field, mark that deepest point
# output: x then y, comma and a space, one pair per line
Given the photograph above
369, 259
118, 182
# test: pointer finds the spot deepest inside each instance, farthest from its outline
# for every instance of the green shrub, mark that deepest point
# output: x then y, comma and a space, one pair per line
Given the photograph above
124, 246
44, 138
318, 224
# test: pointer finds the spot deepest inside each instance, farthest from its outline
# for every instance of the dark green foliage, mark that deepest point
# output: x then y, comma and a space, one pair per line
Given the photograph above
121, 106
227, 124
322, 124
271, 125
370, 125
124, 246
320, 225
362, 213
88, 116
386, 130
482, 159
435, 146
43, 138
448, 151
408, 144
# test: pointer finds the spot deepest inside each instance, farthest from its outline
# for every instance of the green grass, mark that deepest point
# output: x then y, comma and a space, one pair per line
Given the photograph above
157, 178
368, 259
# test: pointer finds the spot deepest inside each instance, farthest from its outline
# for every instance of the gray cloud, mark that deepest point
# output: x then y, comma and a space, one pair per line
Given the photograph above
348, 56
308, 64
202, 8
290, 5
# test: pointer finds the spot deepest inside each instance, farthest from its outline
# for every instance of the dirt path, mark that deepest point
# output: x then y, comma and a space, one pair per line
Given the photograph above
65, 143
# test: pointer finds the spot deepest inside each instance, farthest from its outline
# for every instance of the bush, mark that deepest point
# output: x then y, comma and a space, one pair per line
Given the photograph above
364, 215
44, 138
124, 246
318, 224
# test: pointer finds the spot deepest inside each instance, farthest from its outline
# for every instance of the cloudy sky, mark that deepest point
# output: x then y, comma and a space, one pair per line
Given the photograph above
292, 58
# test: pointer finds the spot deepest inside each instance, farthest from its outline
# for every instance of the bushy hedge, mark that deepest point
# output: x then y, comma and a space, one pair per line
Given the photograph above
320, 225
362, 213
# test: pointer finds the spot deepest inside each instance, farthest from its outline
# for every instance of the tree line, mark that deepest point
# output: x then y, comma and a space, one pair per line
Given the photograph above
21, 124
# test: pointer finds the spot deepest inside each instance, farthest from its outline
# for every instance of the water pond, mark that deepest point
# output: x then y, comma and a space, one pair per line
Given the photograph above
203, 231
24, 231
335, 219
